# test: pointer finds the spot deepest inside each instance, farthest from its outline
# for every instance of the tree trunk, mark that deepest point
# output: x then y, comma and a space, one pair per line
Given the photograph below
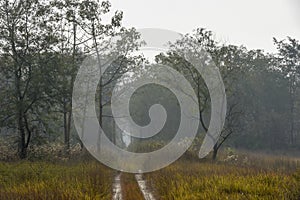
215, 152
66, 132
292, 106
20, 110
69, 118
28, 131
100, 112
21, 128
22, 143
100, 86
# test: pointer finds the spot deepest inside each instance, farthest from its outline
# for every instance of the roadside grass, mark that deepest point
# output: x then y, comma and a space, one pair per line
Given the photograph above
243, 176
44, 180
260, 178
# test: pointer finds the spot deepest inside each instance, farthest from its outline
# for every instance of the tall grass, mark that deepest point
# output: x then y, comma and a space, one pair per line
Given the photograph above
243, 176
41, 180
205, 180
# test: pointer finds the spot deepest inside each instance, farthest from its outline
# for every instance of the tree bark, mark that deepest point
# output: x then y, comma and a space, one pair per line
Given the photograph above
20, 124
22, 144
66, 132
215, 152
100, 86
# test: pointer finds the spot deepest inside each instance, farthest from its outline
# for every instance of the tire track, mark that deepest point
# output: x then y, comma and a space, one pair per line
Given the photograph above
143, 187
117, 190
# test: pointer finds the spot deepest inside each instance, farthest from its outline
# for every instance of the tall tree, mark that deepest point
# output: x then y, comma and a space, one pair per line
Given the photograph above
25, 37
226, 60
289, 63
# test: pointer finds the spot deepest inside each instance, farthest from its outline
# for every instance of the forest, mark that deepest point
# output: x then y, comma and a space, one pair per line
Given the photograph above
43, 43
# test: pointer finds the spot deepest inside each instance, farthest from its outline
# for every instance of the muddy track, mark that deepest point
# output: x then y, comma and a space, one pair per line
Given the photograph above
140, 184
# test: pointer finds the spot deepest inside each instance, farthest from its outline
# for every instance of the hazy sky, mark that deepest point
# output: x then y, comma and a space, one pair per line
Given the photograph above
252, 23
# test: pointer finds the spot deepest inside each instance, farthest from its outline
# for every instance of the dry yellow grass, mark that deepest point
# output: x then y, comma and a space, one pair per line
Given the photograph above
247, 177
194, 180
40, 180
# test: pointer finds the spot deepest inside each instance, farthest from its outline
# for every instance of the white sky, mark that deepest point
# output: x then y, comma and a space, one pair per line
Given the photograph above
252, 23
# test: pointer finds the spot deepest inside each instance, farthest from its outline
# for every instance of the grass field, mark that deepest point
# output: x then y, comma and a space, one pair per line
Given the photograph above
260, 177
41, 180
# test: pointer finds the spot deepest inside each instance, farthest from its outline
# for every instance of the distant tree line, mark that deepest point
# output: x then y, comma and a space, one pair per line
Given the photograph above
43, 43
